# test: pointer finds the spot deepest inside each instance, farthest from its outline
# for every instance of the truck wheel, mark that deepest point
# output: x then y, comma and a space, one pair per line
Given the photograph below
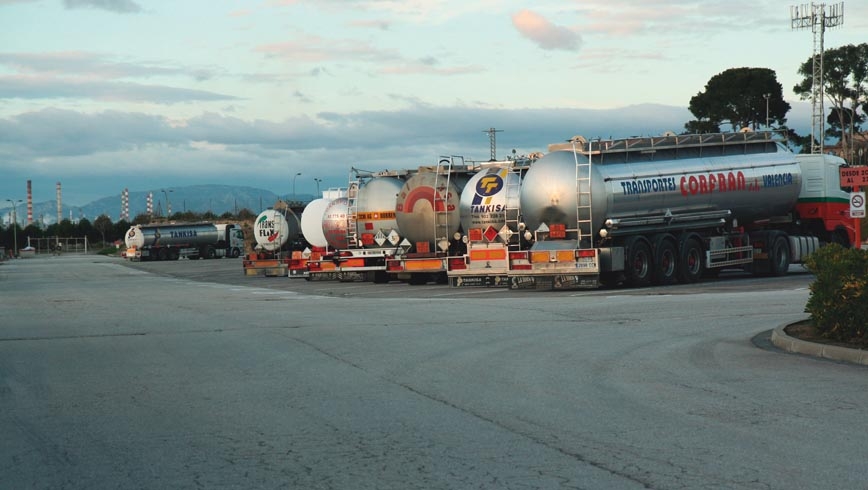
639, 267
840, 237
212, 254
162, 254
690, 268
381, 277
235, 253
665, 261
779, 256
174, 254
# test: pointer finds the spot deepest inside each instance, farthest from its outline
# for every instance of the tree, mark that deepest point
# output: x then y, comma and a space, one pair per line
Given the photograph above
103, 224
845, 84
740, 97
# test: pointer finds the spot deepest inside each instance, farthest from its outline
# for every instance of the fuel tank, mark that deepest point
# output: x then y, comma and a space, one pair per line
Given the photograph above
753, 186
416, 203
311, 222
334, 223
274, 228
488, 196
141, 236
375, 211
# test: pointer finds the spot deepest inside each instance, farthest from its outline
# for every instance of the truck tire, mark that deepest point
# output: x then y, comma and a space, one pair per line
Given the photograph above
174, 254
690, 267
639, 263
665, 260
779, 255
162, 254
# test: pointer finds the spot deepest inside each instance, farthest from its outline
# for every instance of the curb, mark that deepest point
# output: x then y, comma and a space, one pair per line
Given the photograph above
832, 352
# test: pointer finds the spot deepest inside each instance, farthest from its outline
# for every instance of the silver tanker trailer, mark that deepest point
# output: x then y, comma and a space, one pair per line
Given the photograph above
190, 240
490, 215
429, 218
361, 229
674, 208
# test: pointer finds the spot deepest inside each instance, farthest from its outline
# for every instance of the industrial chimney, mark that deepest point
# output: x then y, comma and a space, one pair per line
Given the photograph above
59, 207
29, 204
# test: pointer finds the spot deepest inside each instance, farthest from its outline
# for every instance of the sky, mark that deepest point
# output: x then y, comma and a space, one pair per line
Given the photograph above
103, 95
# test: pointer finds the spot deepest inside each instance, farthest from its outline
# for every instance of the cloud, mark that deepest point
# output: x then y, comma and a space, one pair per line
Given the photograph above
40, 87
380, 24
545, 34
117, 6
95, 65
317, 49
94, 76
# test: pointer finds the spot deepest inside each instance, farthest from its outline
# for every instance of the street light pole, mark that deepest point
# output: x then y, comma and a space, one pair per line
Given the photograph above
293, 184
15, 226
317, 185
767, 109
168, 204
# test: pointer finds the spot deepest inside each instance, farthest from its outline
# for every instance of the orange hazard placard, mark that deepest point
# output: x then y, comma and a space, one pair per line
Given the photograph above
854, 176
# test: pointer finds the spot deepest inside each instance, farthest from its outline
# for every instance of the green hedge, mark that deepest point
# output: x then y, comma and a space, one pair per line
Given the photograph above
839, 295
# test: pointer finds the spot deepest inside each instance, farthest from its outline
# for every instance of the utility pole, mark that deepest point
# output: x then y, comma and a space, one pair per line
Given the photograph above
15, 225
814, 16
493, 142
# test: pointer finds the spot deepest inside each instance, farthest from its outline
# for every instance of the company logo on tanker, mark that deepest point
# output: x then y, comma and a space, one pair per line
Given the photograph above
691, 185
486, 188
267, 229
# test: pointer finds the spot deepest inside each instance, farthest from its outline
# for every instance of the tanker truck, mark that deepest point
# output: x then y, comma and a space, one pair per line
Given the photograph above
660, 210
360, 229
190, 240
489, 208
275, 232
429, 217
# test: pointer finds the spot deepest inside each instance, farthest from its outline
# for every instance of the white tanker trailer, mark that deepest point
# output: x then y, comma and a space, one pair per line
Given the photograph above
190, 240
674, 208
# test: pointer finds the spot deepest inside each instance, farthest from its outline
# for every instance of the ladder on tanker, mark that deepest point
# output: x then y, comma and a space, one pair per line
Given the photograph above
353, 210
512, 208
584, 212
442, 184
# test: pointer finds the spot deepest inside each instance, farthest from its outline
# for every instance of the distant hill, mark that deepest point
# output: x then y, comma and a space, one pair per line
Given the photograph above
197, 198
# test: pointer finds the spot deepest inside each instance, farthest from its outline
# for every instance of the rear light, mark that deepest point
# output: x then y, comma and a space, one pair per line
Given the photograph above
457, 263
558, 230
585, 253
314, 266
522, 267
517, 255
357, 262
539, 257
394, 266
566, 255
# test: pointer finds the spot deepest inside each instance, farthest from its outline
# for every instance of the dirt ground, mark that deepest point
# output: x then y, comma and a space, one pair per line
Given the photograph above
806, 331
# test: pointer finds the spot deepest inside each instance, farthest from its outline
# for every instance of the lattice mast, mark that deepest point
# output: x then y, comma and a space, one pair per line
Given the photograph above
815, 17
492, 142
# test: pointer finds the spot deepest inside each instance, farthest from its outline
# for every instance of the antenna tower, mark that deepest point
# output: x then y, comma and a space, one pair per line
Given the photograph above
815, 17
492, 141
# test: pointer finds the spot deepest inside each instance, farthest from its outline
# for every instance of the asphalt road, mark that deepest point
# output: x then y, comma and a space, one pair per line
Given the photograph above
188, 374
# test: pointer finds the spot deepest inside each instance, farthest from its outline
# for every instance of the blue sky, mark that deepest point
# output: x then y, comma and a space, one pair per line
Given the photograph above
106, 94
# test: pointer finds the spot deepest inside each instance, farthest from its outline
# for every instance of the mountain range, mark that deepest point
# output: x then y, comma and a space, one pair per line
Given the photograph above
218, 199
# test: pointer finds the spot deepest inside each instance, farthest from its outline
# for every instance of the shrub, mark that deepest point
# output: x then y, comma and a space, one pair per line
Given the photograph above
838, 303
